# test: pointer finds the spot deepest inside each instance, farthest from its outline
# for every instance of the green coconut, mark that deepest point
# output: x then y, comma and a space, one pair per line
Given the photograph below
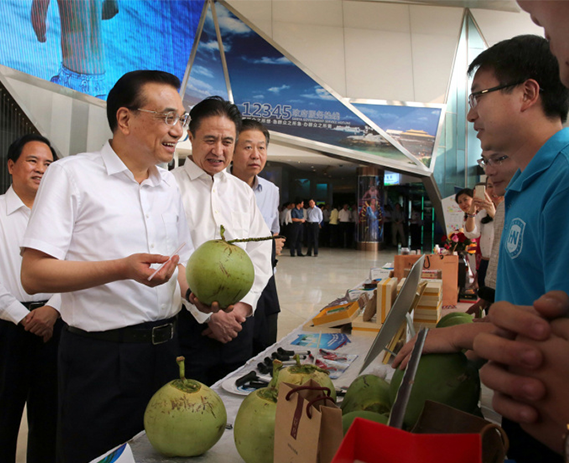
449, 379
349, 418
184, 418
219, 271
367, 392
254, 430
302, 373
454, 318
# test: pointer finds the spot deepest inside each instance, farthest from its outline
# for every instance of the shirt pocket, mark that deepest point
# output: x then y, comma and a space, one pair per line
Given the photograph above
170, 224
241, 222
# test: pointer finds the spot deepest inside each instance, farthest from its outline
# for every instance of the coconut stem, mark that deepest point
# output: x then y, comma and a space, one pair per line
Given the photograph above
277, 365
182, 367
297, 358
247, 240
222, 232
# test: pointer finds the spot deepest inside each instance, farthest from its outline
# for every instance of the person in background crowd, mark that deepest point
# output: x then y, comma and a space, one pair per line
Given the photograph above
325, 240
464, 199
249, 160
499, 169
91, 210
479, 224
212, 197
415, 226
345, 220
397, 225
333, 227
29, 326
297, 217
314, 221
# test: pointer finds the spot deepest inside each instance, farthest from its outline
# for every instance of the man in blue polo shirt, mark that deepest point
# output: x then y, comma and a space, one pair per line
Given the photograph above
518, 106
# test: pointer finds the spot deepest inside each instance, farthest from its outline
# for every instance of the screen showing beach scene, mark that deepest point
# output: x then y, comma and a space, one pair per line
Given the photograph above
414, 127
270, 88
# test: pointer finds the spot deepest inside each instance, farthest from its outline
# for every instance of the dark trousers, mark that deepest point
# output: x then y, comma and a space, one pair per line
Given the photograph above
481, 274
345, 229
313, 232
208, 360
104, 388
28, 374
333, 235
267, 313
526, 449
296, 238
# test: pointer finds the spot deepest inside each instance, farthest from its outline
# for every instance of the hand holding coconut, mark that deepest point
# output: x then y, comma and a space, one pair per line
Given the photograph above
224, 326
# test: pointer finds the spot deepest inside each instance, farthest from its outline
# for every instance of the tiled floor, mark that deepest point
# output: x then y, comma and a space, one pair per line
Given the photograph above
305, 284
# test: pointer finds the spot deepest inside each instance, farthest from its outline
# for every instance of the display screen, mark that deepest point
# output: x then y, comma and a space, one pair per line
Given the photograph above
391, 178
89, 45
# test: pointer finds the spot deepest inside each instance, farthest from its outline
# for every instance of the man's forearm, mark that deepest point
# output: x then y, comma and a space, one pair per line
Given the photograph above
44, 274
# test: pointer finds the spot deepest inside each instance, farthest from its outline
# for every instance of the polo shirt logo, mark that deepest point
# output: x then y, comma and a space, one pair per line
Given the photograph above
515, 240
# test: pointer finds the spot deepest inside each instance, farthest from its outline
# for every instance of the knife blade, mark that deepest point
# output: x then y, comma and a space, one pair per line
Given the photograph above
404, 392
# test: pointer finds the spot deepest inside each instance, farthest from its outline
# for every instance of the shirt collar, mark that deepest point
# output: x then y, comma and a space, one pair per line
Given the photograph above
541, 161
257, 186
114, 165
13, 201
194, 171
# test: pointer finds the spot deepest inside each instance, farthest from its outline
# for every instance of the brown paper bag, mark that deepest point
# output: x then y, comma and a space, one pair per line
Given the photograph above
308, 424
437, 418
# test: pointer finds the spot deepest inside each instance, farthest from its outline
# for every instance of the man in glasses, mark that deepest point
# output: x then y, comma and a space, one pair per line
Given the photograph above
500, 169
518, 107
100, 224
534, 392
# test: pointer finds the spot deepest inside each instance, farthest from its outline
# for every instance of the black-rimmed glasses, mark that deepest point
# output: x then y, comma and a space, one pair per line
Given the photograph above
473, 97
171, 117
483, 162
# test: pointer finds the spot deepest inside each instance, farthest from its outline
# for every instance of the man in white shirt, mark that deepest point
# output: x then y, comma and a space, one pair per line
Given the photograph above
29, 325
213, 197
345, 228
314, 219
92, 210
249, 160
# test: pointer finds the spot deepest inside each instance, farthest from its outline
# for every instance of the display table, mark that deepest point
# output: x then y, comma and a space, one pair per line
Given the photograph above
224, 451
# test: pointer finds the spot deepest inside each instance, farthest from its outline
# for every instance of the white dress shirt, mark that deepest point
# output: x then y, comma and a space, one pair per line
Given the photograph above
89, 207
483, 230
14, 217
225, 200
267, 196
345, 216
314, 215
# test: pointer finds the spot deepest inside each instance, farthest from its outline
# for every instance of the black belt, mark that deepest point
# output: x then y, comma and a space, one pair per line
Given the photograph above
33, 305
153, 332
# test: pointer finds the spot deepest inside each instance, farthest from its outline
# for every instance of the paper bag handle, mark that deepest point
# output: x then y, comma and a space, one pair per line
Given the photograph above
307, 388
313, 401
490, 427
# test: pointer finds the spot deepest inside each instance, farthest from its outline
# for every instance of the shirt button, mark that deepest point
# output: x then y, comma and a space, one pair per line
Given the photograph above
146, 215
151, 246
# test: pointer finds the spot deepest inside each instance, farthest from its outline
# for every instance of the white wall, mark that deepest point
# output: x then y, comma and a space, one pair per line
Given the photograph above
376, 50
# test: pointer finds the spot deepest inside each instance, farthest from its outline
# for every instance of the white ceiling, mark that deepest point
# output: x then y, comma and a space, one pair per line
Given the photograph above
499, 5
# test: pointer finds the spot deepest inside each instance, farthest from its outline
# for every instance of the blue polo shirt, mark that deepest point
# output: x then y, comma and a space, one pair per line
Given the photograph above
534, 249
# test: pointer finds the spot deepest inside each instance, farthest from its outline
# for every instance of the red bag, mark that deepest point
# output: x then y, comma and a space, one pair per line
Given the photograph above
369, 442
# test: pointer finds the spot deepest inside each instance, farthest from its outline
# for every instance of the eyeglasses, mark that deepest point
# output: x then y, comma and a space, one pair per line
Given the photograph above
473, 97
171, 118
482, 162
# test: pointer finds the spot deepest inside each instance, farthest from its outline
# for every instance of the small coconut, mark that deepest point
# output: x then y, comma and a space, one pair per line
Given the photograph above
184, 418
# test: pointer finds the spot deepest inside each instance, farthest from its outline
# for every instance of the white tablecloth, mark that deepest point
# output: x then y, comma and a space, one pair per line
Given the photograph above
224, 451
